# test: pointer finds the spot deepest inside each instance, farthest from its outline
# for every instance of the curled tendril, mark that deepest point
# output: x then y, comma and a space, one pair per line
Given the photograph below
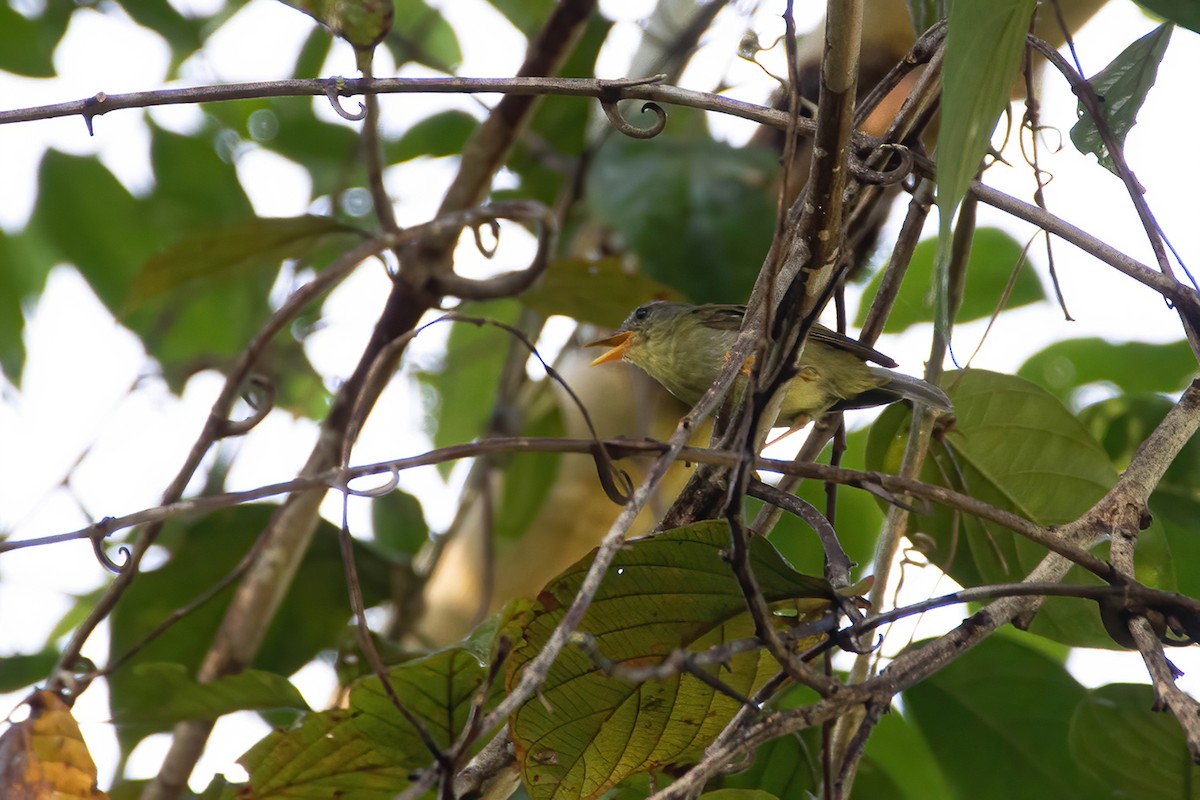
99, 534
376, 491
331, 94
621, 124
260, 396
886, 177
494, 226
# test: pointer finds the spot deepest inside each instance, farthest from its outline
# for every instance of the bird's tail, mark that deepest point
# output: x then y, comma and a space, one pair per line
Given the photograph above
909, 388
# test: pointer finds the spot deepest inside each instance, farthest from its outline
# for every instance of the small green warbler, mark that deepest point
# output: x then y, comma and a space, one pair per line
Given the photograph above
684, 347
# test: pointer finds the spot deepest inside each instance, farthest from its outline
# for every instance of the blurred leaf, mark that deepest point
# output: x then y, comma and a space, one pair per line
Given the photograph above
467, 382
996, 719
598, 291
1121, 89
93, 222
421, 34
899, 751
44, 755
788, 767
586, 732
994, 256
527, 16
399, 523
185, 34
738, 794
924, 13
1016, 447
312, 55
27, 44
699, 214
528, 478
195, 188
442, 134
1134, 367
230, 252
24, 669
168, 694
1138, 754
26, 260
857, 521
1181, 12
362, 23
546, 158
311, 618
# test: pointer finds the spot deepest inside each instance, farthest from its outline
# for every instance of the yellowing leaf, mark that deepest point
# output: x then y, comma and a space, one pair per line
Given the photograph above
45, 756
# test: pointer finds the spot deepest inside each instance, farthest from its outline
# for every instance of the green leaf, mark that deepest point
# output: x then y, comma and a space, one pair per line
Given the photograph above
26, 261
699, 214
1133, 367
230, 253
1181, 12
924, 13
27, 45
899, 751
421, 34
311, 618
326, 756
1016, 447
857, 518
994, 256
168, 694
1139, 754
996, 719
529, 477
196, 188
467, 382
984, 43
585, 732
1121, 89
362, 23
442, 134
25, 669
93, 222
599, 291
399, 523
738, 794
527, 16
787, 767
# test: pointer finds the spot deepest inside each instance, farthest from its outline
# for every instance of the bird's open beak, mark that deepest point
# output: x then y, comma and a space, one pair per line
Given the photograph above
619, 344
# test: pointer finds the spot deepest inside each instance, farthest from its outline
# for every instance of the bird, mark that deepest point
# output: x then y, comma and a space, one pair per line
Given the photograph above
684, 347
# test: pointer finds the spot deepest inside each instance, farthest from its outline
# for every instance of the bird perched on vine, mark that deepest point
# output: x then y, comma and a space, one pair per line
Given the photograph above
684, 347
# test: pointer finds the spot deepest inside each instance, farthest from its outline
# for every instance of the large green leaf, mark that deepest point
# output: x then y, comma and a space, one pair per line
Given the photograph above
1016, 447
897, 749
994, 257
526, 15
585, 732
1134, 367
996, 720
1121, 88
311, 618
168, 694
24, 669
26, 260
442, 134
1181, 12
699, 214
1138, 754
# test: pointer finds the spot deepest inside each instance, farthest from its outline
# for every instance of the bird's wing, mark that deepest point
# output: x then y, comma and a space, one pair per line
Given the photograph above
724, 317
852, 346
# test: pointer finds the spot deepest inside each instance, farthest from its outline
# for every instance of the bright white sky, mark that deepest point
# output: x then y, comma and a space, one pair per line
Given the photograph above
75, 405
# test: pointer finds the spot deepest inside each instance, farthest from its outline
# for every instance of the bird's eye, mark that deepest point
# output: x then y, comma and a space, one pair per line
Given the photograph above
641, 313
